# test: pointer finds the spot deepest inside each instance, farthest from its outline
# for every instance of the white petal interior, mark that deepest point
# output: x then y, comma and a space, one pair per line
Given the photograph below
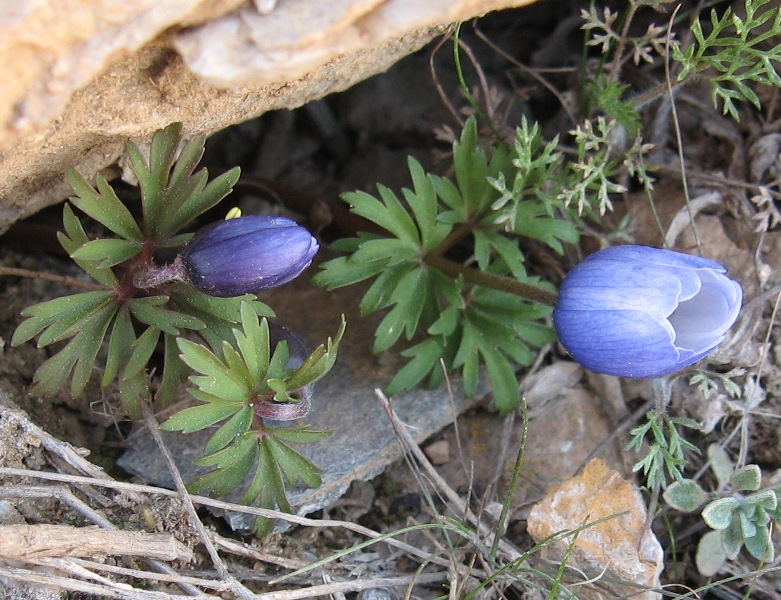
702, 320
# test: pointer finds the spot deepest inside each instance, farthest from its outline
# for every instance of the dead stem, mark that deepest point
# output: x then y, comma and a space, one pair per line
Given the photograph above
87, 285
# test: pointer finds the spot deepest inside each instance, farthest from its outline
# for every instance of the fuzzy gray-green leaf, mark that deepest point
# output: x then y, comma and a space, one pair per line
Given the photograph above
685, 495
746, 479
719, 513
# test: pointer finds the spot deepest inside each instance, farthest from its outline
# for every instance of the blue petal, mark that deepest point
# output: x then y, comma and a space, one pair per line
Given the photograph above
657, 256
219, 232
616, 284
623, 343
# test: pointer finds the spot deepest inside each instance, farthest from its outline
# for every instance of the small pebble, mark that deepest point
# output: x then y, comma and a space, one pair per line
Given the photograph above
438, 452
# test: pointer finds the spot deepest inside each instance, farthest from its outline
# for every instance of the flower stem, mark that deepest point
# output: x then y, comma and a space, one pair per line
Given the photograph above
496, 282
87, 285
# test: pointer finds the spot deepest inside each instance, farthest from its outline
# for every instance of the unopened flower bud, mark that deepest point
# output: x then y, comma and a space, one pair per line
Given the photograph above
247, 254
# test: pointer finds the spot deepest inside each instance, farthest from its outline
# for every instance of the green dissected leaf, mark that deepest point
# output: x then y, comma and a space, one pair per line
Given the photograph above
150, 312
175, 372
487, 242
51, 376
216, 379
409, 298
448, 192
89, 340
424, 204
446, 323
142, 350
295, 466
466, 357
134, 393
277, 365
381, 291
390, 251
342, 271
531, 221
188, 160
153, 175
471, 169
227, 452
425, 357
319, 362
231, 430
253, 343
75, 237
104, 206
267, 489
59, 316
218, 314
226, 309
205, 199
298, 435
107, 252
77, 358
606, 94
183, 185
388, 213
224, 480
199, 417
200, 358
176, 241
236, 365
120, 343
504, 383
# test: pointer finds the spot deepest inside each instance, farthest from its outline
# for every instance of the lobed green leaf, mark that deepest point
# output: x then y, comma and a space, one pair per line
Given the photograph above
104, 206
149, 311
199, 417
203, 200
60, 317
293, 464
73, 238
318, 363
221, 449
107, 252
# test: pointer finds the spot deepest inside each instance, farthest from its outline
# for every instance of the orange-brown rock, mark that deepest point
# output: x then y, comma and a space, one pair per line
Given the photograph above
612, 544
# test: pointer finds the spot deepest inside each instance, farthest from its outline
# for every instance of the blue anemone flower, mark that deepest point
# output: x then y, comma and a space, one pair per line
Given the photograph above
247, 254
635, 311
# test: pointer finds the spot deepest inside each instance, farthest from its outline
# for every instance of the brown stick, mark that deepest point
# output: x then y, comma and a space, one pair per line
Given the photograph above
29, 542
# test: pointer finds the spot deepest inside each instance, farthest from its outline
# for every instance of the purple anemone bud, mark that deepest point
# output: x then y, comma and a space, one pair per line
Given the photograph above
634, 311
247, 254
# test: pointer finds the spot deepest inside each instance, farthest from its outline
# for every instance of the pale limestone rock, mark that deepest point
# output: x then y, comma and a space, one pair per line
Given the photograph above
618, 546
81, 77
